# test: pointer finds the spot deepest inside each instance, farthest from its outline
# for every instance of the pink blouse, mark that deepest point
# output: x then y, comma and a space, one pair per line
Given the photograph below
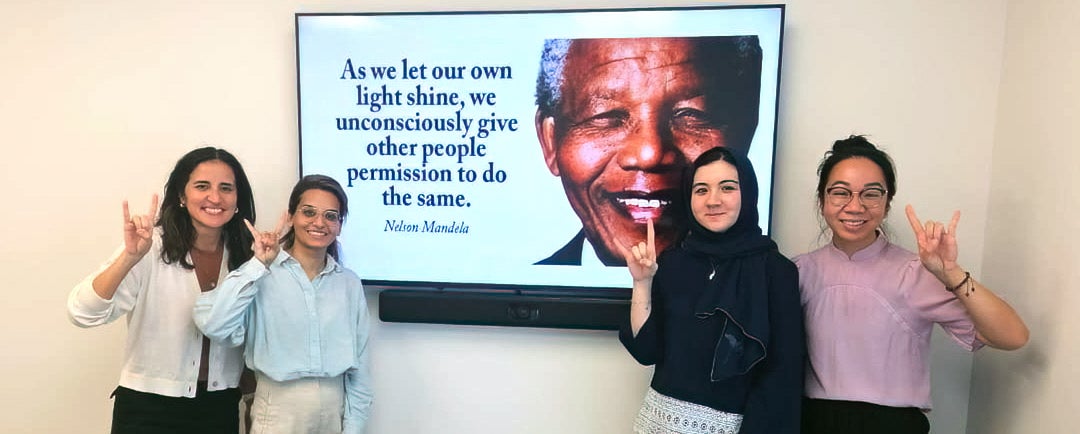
868, 324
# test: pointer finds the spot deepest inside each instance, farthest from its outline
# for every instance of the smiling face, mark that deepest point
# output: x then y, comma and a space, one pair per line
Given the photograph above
316, 222
715, 196
210, 196
634, 113
853, 224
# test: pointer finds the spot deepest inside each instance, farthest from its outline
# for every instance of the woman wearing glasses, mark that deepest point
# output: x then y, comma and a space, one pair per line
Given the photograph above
870, 305
303, 317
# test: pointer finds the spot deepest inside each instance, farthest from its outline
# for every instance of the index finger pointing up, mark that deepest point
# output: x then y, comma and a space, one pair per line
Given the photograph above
651, 237
913, 220
254, 233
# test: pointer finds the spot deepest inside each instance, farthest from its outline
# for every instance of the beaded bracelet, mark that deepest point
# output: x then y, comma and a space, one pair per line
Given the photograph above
967, 277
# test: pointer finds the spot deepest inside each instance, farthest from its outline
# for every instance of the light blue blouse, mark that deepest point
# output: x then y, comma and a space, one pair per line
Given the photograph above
295, 327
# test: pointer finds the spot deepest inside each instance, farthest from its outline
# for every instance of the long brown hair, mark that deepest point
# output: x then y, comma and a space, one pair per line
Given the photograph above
178, 233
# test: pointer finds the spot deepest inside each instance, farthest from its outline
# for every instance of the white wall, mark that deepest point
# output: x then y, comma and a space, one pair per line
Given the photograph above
1031, 234
101, 97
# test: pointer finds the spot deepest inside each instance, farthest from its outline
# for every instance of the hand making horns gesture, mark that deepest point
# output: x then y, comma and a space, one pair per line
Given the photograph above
641, 258
267, 244
139, 229
937, 244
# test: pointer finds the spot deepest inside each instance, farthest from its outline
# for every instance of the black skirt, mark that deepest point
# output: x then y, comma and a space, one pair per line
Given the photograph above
821, 416
136, 412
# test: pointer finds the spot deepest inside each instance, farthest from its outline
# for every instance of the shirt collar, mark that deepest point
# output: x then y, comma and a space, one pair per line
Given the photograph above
868, 252
282, 256
331, 264
588, 255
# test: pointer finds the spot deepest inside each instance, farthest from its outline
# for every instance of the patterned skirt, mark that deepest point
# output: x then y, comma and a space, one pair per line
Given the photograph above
662, 414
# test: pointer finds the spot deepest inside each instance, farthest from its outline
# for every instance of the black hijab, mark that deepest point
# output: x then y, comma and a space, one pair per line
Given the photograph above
737, 284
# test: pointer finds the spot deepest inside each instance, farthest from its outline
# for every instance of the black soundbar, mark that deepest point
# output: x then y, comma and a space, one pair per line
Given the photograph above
502, 309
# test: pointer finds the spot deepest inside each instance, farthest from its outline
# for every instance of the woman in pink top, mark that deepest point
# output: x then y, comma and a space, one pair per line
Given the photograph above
870, 305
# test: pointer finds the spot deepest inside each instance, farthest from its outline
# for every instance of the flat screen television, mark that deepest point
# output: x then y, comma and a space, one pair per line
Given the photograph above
492, 160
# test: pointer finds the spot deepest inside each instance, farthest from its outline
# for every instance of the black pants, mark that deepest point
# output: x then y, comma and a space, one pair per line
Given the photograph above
137, 412
820, 416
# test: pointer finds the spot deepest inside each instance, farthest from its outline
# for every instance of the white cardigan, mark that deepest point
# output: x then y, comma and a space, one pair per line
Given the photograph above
163, 348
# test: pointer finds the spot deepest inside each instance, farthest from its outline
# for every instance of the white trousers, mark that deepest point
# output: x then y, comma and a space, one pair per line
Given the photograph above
662, 414
301, 406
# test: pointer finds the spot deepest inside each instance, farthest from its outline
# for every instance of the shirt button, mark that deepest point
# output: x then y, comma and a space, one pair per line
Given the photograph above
215, 384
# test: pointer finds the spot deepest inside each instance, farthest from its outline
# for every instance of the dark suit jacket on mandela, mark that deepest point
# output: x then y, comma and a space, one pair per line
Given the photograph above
570, 254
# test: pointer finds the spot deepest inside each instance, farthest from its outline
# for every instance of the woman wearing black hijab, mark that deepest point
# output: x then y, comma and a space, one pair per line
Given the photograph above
718, 314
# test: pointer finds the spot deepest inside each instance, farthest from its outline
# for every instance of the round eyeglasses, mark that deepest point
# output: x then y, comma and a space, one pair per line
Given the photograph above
871, 197
329, 215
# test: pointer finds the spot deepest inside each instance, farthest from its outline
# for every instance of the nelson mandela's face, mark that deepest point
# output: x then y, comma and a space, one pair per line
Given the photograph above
633, 114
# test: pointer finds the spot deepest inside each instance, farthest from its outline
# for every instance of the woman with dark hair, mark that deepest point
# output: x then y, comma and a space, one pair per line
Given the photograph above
717, 313
871, 306
303, 317
173, 379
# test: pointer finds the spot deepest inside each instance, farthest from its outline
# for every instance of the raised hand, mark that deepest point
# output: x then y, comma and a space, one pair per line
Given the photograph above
139, 229
641, 258
937, 243
267, 244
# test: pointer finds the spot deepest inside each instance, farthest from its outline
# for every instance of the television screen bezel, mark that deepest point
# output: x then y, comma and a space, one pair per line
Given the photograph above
528, 291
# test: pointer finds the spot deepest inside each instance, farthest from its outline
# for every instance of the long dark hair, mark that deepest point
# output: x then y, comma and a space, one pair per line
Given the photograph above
317, 182
178, 233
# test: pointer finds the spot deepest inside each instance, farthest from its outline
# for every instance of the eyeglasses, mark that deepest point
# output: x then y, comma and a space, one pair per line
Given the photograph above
871, 197
330, 215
